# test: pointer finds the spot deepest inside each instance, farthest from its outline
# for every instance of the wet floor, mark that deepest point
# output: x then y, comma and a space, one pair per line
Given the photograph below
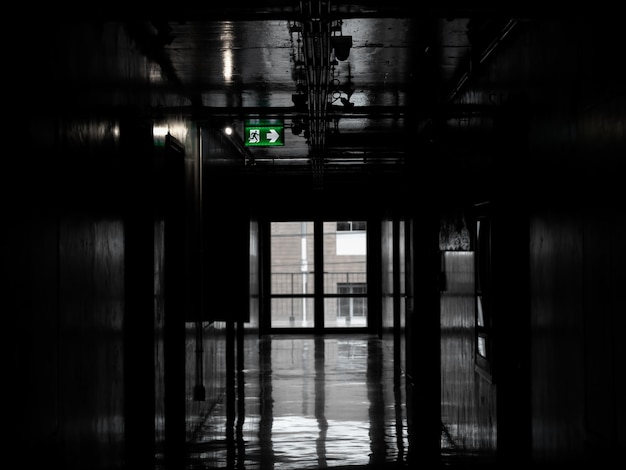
308, 403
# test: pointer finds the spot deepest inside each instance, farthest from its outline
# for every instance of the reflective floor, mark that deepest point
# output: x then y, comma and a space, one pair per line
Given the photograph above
308, 403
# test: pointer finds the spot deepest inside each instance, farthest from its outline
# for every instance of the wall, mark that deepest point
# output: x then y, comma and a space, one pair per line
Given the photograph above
558, 127
85, 251
67, 259
226, 231
579, 134
600, 146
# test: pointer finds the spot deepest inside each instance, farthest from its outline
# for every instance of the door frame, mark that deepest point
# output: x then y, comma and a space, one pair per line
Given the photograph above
319, 296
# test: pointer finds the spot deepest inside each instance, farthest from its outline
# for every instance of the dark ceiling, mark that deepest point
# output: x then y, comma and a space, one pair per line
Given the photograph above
355, 84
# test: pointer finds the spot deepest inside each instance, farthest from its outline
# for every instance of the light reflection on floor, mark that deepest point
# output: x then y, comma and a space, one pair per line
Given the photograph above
309, 402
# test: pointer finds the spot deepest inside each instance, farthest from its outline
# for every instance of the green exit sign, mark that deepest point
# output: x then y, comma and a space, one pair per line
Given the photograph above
264, 133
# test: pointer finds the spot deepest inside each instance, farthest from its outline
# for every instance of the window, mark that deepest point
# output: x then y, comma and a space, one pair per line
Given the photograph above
351, 226
352, 306
351, 238
318, 275
483, 293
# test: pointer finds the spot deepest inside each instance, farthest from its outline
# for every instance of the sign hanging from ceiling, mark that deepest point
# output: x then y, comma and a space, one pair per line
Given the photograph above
264, 132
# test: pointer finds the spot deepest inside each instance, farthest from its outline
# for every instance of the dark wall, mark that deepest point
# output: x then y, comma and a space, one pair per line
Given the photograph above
84, 251
66, 259
556, 140
227, 213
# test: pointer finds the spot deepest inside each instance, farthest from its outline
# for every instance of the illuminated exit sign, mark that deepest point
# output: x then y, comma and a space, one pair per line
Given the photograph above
264, 133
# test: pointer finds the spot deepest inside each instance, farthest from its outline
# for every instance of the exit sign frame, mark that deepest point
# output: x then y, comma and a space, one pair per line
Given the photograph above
264, 133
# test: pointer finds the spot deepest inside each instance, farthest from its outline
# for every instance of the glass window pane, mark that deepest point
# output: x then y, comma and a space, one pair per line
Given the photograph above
292, 313
292, 274
341, 312
480, 319
482, 346
292, 258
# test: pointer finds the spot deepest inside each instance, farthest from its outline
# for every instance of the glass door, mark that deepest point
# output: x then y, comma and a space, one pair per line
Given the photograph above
324, 289
345, 274
292, 275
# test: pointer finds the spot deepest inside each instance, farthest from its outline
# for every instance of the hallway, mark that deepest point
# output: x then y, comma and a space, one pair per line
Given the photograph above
309, 402
483, 148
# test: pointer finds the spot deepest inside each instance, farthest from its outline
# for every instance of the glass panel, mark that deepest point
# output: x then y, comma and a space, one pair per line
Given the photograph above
292, 273
482, 346
294, 312
292, 258
480, 319
345, 273
345, 312
345, 254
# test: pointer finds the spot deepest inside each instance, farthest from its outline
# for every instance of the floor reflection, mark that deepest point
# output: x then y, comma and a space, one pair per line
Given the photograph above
309, 402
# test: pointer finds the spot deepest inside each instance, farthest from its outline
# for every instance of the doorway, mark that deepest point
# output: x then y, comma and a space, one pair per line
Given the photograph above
318, 276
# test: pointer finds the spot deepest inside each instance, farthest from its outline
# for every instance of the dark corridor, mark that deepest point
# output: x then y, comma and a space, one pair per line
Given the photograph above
483, 147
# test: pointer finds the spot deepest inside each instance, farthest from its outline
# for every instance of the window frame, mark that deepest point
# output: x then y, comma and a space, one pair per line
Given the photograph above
483, 291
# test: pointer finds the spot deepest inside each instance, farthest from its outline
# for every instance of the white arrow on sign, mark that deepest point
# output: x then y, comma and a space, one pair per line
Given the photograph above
272, 136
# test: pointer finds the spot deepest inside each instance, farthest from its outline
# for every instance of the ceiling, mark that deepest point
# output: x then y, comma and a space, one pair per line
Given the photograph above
353, 83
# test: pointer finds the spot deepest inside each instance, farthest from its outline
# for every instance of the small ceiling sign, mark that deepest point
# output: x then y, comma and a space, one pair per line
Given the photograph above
264, 132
